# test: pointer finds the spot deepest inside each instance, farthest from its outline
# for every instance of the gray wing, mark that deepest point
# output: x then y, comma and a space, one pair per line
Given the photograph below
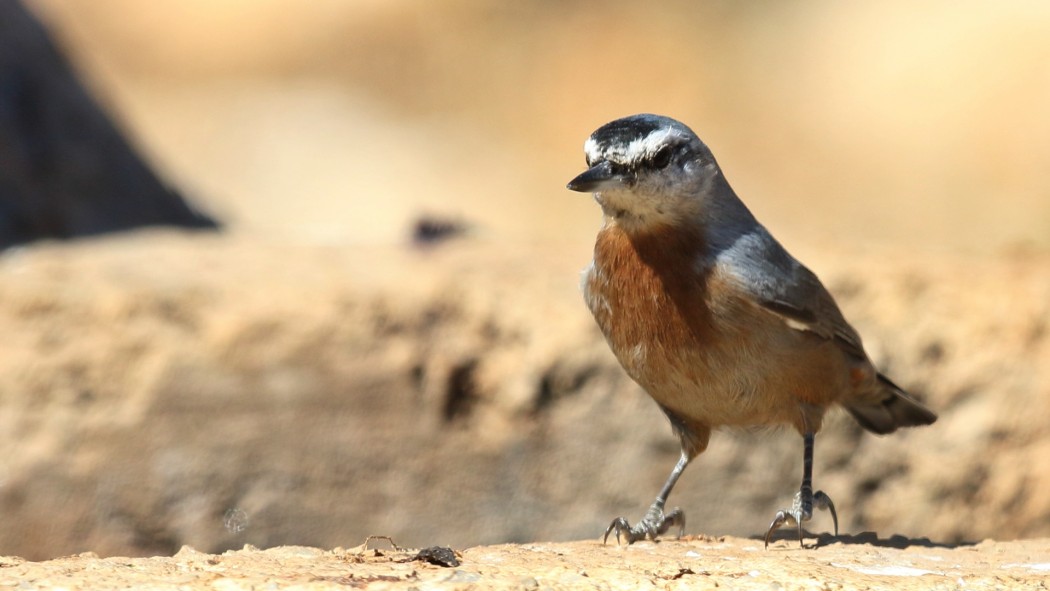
785, 287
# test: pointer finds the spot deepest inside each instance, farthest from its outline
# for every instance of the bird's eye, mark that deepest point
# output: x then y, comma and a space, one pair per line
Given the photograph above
662, 157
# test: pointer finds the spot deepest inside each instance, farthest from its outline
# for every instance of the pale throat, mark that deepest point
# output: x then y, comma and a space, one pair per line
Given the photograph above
641, 216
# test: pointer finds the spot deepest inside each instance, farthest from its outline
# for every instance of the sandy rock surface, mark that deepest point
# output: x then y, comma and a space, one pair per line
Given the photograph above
861, 562
163, 390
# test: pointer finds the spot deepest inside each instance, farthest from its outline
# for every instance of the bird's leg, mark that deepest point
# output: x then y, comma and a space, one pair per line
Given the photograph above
802, 507
655, 522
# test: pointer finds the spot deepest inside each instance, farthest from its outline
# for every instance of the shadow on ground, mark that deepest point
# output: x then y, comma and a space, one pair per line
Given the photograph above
869, 538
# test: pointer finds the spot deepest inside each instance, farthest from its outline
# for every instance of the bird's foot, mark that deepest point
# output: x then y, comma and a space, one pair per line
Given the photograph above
655, 523
800, 512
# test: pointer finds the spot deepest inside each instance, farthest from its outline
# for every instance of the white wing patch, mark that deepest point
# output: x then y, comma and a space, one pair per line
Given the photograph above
795, 324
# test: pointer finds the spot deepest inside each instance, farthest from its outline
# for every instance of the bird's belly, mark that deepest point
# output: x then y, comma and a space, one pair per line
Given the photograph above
713, 385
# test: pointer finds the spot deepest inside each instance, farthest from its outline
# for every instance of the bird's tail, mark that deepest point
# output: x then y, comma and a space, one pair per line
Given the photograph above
892, 409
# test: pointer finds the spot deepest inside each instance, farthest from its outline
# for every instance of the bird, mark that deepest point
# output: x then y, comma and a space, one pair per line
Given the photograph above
711, 315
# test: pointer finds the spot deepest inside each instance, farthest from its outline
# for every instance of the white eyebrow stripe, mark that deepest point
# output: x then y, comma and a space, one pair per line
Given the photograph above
648, 145
591, 149
636, 151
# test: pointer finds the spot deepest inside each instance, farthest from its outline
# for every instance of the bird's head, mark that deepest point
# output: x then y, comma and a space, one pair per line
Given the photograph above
646, 171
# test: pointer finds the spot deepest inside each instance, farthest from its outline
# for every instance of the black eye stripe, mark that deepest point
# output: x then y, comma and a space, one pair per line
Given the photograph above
657, 160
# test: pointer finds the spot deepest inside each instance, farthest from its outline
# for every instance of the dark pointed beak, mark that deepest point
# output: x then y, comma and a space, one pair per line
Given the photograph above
599, 177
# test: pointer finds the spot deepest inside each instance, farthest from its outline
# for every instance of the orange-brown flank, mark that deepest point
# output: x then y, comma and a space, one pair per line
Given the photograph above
699, 346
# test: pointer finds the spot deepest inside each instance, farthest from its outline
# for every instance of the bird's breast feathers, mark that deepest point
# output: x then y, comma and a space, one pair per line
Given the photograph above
685, 332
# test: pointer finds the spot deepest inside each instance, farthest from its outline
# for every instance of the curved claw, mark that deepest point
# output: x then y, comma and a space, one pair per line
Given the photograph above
798, 514
654, 524
675, 517
620, 525
783, 516
823, 501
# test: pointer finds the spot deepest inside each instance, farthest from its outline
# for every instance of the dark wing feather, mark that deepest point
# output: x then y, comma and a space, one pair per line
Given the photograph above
785, 287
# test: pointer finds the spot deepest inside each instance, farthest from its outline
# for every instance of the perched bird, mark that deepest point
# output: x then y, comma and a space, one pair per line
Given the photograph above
711, 315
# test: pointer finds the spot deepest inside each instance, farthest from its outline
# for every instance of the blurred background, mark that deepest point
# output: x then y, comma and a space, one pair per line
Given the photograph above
304, 376
899, 123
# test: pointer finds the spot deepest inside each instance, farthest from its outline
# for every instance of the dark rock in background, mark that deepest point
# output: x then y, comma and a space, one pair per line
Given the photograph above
65, 169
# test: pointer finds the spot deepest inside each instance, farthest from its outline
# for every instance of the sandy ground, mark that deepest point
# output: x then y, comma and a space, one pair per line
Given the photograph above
155, 382
861, 562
